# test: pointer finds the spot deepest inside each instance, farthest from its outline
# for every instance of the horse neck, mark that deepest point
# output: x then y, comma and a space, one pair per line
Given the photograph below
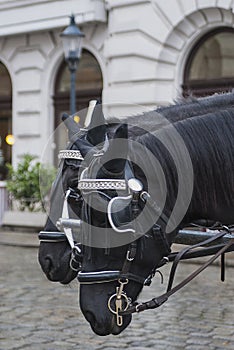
213, 157
206, 187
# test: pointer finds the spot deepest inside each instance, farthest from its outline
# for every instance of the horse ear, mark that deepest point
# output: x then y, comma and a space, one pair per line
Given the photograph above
72, 127
115, 157
84, 146
97, 128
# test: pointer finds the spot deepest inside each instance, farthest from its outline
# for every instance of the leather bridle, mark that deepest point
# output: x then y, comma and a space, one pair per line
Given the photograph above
65, 224
133, 190
119, 301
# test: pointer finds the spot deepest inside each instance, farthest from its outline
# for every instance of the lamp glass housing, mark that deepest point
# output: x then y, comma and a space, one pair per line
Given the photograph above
72, 39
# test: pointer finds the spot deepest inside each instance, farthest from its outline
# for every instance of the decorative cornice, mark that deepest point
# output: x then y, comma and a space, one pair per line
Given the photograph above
25, 16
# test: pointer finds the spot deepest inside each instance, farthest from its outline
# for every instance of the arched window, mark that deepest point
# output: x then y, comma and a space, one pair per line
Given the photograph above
89, 85
5, 118
210, 66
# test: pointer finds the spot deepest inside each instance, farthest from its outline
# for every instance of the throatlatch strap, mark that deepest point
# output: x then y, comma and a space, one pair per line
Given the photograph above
65, 215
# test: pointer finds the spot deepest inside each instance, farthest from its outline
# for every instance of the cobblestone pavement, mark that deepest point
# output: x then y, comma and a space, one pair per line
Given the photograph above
36, 314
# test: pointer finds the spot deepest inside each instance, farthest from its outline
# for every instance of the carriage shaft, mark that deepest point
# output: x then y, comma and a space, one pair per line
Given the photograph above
191, 237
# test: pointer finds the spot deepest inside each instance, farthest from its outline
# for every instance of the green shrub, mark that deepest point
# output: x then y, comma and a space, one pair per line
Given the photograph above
24, 185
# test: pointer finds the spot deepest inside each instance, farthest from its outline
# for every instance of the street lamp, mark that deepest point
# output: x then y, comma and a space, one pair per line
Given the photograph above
72, 39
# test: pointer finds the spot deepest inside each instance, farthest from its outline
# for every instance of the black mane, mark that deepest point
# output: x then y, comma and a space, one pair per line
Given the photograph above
209, 141
182, 109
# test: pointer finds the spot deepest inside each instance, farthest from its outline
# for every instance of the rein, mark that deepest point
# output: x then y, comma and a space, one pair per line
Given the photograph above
158, 301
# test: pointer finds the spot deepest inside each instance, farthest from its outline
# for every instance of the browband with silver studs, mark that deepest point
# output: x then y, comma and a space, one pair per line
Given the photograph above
70, 154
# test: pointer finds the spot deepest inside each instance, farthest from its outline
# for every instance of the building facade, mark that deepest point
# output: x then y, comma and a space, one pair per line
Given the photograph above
137, 54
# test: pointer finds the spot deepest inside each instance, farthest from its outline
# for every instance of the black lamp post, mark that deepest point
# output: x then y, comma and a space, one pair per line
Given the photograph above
72, 39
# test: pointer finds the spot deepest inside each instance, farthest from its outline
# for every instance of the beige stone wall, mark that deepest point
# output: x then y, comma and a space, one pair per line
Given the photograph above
148, 44
32, 59
141, 46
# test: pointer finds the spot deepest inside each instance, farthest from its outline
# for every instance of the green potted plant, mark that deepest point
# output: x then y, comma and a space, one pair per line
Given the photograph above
23, 183
28, 191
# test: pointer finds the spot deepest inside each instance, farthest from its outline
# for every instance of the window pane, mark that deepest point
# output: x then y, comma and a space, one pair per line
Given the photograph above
5, 82
214, 59
88, 75
5, 118
5, 129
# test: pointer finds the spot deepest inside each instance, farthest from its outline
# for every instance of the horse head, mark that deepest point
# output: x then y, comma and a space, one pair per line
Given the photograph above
59, 259
122, 243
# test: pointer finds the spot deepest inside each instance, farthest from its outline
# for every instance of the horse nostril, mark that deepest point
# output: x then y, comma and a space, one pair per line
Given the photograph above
90, 317
47, 263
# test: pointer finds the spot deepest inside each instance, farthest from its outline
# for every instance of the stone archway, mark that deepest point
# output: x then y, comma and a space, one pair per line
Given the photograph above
5, 119
210, 65
181, 39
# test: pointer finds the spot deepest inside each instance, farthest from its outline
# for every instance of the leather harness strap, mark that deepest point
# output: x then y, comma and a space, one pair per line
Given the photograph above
187, 249
158, 301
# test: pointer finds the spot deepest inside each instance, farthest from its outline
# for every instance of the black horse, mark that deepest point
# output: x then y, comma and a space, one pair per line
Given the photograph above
55, 256
151, 184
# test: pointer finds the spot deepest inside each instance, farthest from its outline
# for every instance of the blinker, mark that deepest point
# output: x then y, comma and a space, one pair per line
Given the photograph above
118, 210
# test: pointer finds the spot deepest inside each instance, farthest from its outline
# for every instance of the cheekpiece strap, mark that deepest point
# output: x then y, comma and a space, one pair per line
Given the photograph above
65, 215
